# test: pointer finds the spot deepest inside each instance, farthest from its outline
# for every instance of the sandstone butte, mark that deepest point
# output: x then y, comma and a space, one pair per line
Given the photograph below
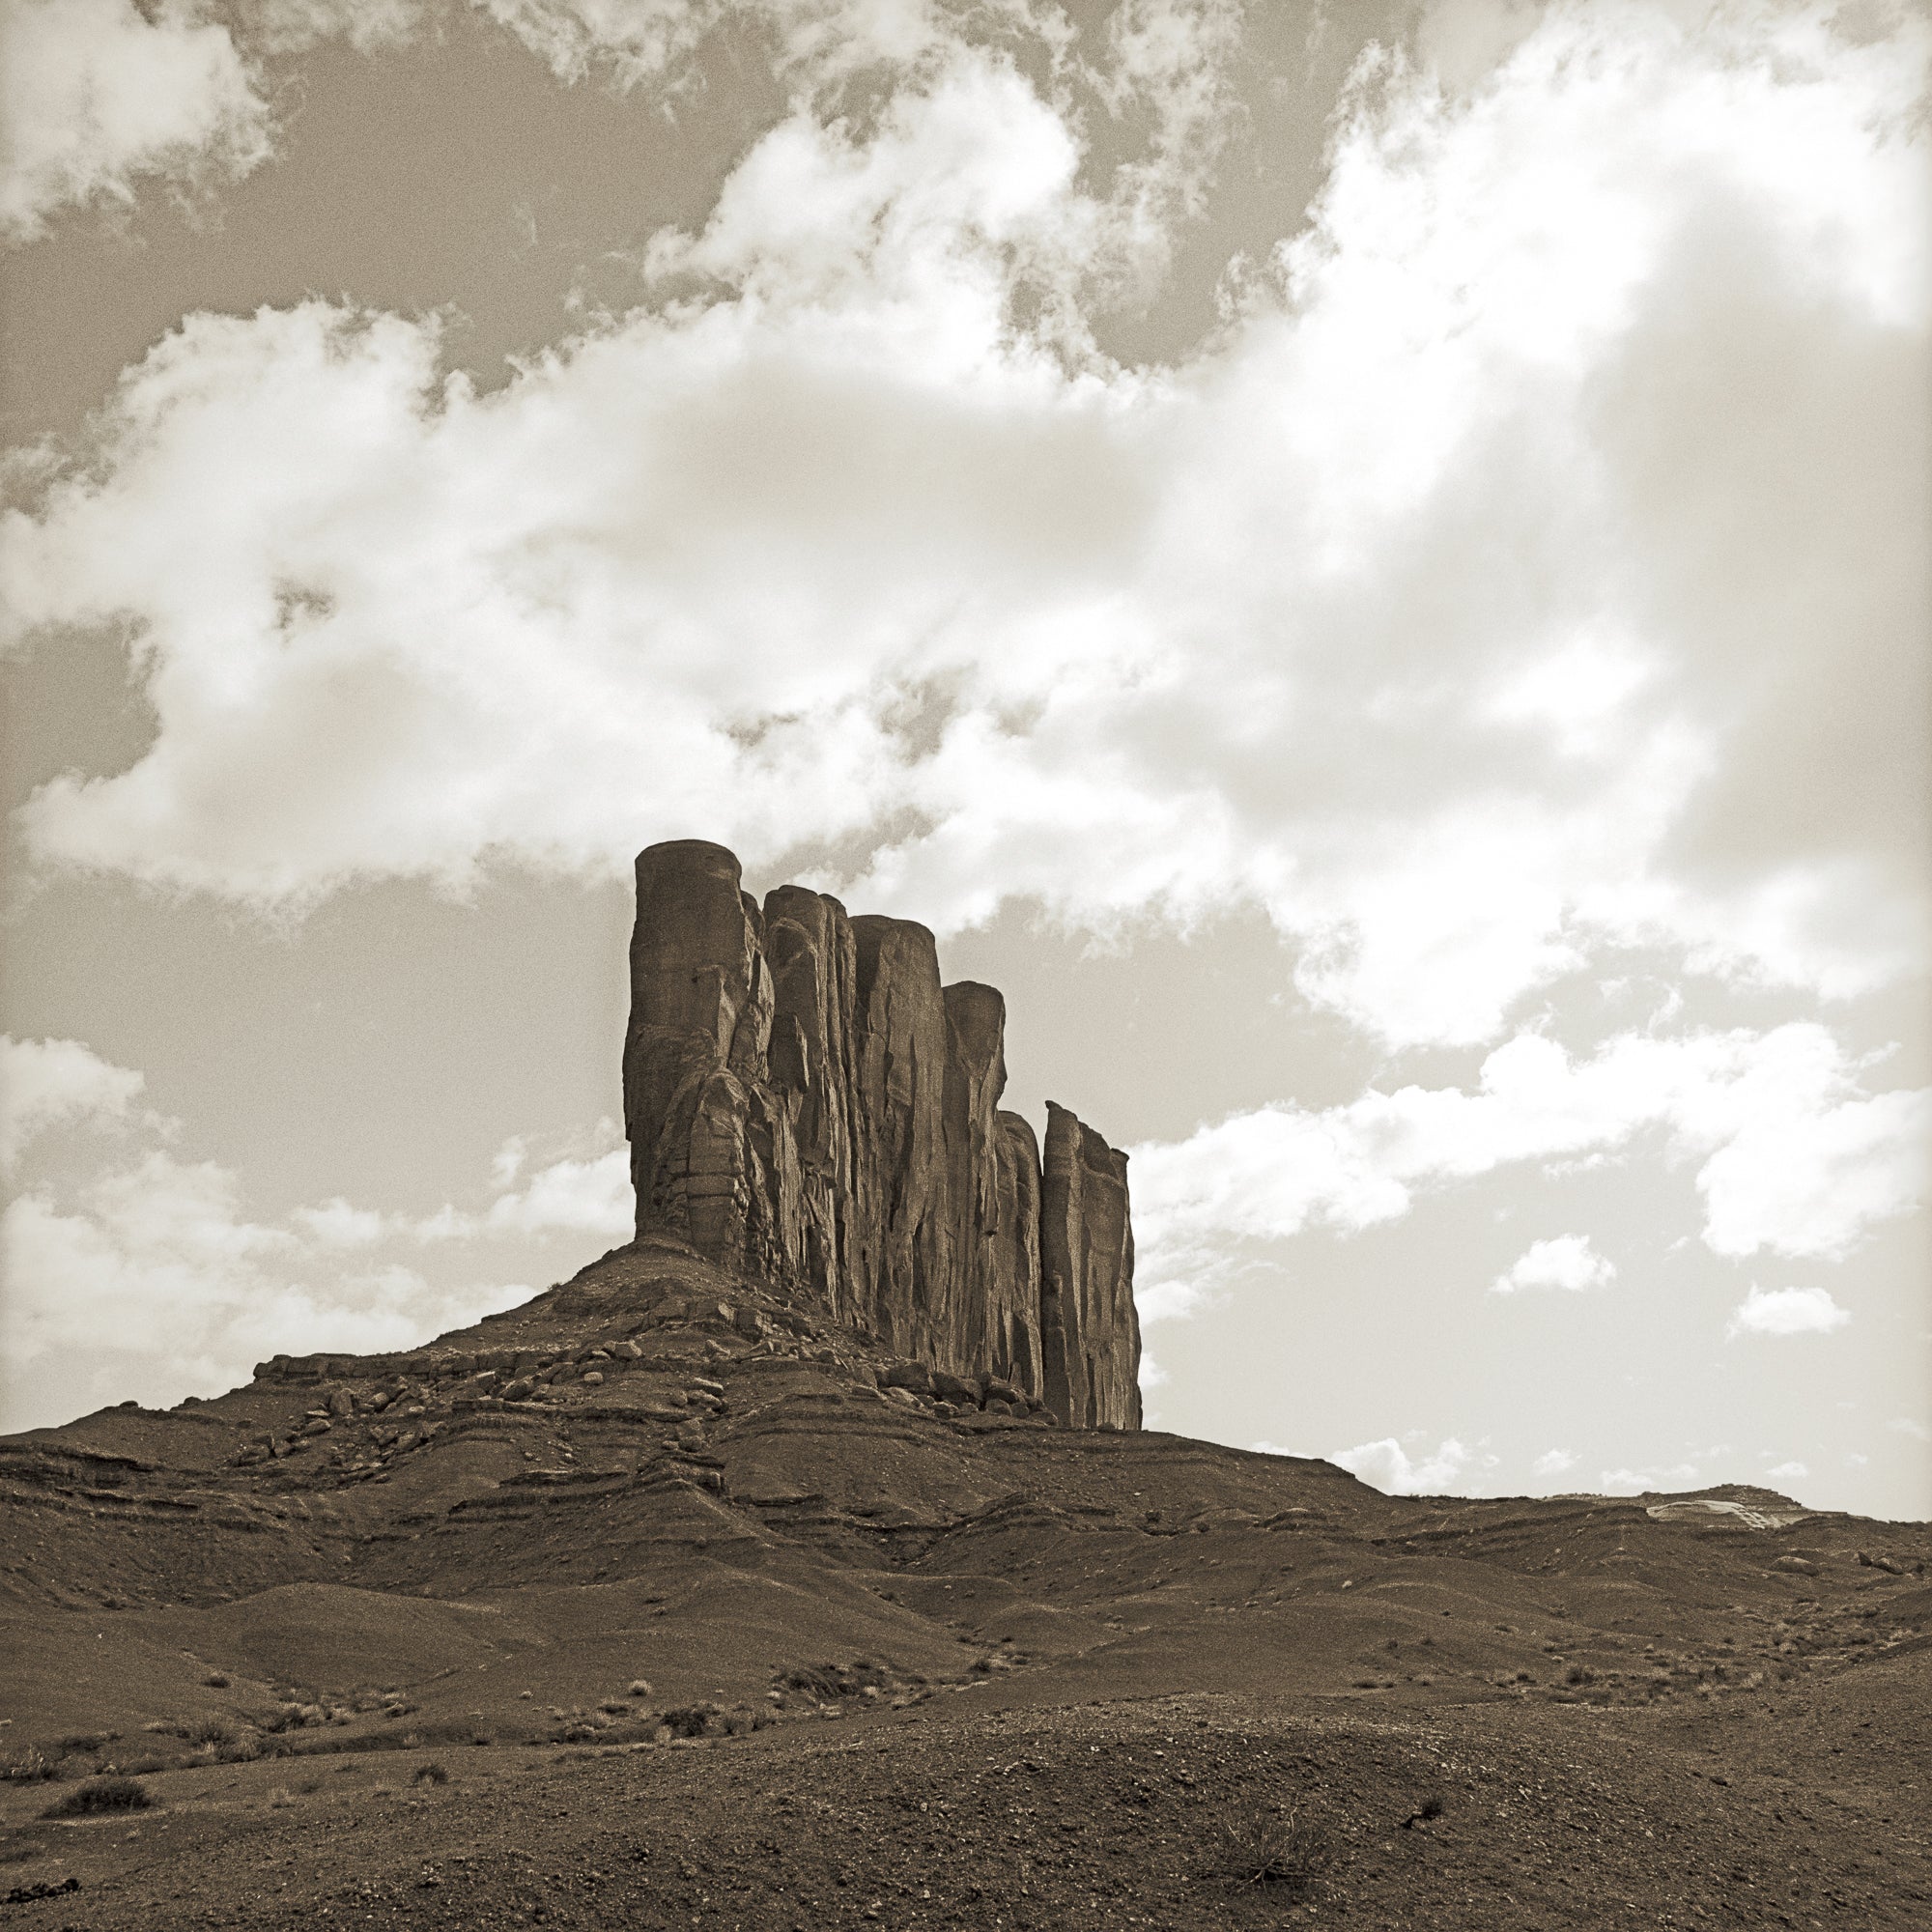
807, 1106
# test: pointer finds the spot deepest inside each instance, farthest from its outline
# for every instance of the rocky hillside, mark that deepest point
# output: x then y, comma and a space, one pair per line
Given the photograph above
476, 1635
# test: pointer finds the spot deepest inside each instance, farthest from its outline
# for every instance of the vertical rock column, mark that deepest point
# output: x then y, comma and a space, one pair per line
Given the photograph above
994, 1187
1089, 1328
814, 966
807, 1105
712, 1155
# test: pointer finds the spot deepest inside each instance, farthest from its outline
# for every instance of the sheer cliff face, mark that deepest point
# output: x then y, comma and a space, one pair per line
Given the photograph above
806, 1101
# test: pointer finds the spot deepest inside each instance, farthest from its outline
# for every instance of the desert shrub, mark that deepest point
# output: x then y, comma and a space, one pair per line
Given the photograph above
1262, 1844
638, 1688
820, 1680
99, 1795
689, 1721
449, 1733
31, 1767
293, 1715
1579, 1673
216, 1680
431, 1773
211, 1729
281, 1797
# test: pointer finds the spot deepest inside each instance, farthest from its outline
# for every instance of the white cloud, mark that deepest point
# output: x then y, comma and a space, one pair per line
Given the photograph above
1907, 1425
95, 93
1786, 1311
1553, 1463
1651, 1479
591, 1196
1449, 1470
1788, 1471
150, 1276
337, 1224
643, 41
98, 96
1566, 1261
1794, 1155
45, 1083
153, 1281
1020, 621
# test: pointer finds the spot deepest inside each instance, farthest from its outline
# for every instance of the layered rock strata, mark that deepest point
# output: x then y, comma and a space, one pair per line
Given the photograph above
807, 1103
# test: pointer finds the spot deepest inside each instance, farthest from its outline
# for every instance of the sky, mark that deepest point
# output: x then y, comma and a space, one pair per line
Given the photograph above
1367, 563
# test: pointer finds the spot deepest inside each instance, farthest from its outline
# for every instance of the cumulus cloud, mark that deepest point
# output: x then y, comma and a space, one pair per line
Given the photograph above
589, 1196
1565, 1261
1786, 1311
1448, 1469
1447, 605
97, 94
1789, 1471
1795, 1156
1650, 1480
1553, 1463
45, 1083
151, 1277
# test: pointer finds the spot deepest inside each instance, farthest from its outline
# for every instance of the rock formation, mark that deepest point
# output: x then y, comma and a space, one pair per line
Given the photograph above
807, 1103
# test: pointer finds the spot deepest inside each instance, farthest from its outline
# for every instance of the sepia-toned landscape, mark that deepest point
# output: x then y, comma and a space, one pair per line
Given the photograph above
801, 1563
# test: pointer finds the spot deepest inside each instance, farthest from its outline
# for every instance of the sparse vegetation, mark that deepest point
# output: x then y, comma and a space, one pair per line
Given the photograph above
99, 1796
1261, 1843
433, 1772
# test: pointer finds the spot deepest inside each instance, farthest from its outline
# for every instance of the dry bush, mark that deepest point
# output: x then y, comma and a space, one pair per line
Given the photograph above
689, 1721
1262, 1844
431, 1773
99, 1795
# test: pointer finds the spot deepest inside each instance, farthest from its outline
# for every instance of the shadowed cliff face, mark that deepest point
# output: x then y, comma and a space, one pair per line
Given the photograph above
806, 1102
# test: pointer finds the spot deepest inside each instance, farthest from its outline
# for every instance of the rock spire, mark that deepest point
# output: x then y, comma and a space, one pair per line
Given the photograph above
806, 1102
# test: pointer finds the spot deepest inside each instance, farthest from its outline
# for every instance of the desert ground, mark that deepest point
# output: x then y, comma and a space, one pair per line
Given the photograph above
656, 1602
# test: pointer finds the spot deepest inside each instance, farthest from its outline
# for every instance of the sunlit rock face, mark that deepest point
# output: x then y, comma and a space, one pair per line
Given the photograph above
807, 1103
